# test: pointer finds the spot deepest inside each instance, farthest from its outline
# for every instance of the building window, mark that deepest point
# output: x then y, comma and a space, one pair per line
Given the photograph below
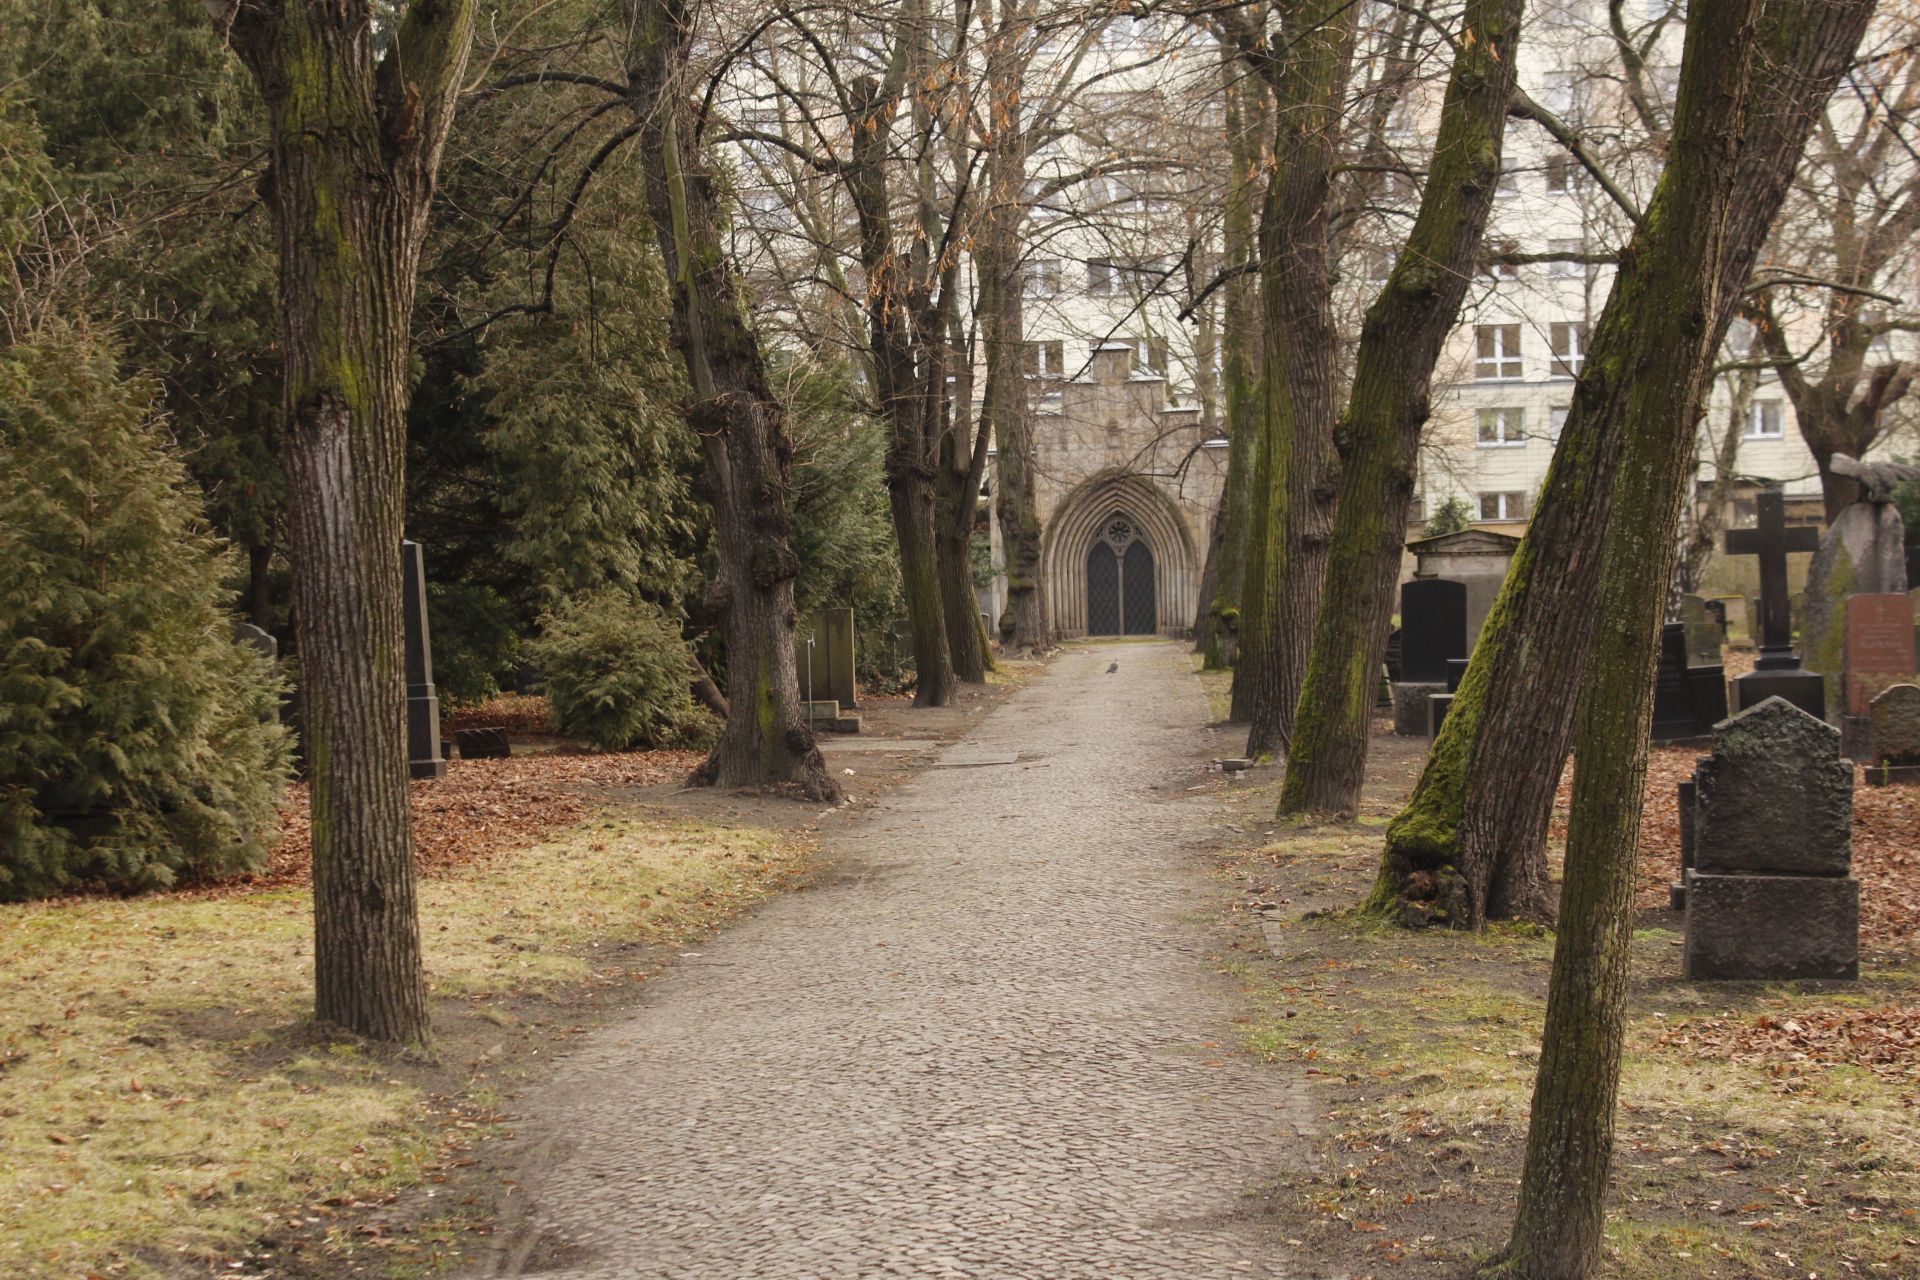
1378, 266
1569, 347
1565, 270
1045, 359
1557, 421
1149, 354
1495, 270
1503, 506
1041, 278
1509, 177
1564, 175
1497, 351
1764, 423
1502, 427
1100, 277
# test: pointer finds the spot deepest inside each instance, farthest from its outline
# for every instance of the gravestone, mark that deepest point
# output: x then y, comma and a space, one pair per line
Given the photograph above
424, 757
1863, 553
1688, 700
1433, 630
1770, 894
248, 634
1477, 558
1677, 891
1705, 633
1893, 737
829, 660
1880, 648
1777, 671
485, 743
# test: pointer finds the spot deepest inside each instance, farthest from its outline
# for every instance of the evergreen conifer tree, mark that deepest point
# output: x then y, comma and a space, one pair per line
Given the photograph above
138, 741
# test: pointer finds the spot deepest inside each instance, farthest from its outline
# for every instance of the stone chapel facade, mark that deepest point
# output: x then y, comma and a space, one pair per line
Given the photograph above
1126, 487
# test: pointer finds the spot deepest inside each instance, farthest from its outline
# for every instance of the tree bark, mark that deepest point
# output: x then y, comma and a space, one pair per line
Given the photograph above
1470, 845
1246, 114
962, 466
1754, 74
1379, 438
1294, 483
741, 427
356, 129
1023, 625
907, 330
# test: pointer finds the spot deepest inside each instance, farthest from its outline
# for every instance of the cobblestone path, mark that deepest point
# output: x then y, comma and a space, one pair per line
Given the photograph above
993, 1047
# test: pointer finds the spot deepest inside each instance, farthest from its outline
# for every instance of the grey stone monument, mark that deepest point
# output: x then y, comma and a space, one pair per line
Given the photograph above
1893, 737
424, 757
1770, 894
248, 634
1433, 630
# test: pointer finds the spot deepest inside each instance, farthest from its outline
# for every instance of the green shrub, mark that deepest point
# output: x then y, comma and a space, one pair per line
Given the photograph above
617, 675
138, 742
475, 641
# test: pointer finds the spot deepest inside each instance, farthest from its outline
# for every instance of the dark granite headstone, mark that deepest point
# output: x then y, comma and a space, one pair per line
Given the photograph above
1688, 700
1705, 633
487, 743
424, 757
1433, 628
1777, 672
1456, 672
1677, 891
1770, 894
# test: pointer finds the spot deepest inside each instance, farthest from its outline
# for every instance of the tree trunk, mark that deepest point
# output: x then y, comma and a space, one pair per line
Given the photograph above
1246, 111
260, 585
907, 330
1753, 77
355, 141
961, 471
741, 427
1023, 626
1704, 534
1293, 488
1470, 845
1400, 343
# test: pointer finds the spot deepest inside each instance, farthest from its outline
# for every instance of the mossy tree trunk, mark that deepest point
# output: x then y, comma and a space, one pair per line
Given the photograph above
741, 427
1379, 437
1023, 626
1754, 75
358, 114
1291, 505
906, 317
1470, 845
1240, 341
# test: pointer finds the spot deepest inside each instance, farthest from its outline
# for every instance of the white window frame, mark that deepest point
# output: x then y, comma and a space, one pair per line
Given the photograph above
1557, 420
1566, 270
1041, 279
1498, 355
1500, 427
1568, 363
1766, 420
1102, 274
1503, 510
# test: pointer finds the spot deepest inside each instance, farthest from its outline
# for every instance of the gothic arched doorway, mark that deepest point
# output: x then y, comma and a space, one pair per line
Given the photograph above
1120, 582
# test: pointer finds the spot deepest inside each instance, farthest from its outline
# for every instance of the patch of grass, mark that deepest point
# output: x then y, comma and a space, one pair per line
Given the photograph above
162, 1097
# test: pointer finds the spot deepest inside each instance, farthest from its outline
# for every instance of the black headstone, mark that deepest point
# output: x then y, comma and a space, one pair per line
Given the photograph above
485, 743
1672, 699
1433, 628
424, 757
1456, 672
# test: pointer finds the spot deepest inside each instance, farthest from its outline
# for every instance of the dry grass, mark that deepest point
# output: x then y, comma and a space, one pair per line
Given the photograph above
161, 1100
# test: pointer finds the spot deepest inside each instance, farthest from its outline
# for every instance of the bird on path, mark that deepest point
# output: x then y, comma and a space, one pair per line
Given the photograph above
1113, 667
1878, 478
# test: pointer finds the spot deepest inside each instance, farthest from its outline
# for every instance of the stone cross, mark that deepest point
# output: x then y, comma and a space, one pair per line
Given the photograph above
1771, 541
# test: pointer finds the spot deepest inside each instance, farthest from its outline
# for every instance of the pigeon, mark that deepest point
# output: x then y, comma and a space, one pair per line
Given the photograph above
1112, 667
1878, 478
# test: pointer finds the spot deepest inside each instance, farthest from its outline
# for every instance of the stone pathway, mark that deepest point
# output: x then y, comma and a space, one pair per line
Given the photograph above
992, 1048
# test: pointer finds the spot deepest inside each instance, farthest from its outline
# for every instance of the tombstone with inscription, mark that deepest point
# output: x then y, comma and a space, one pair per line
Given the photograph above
1777, 671
1893, 737
1770, 894
1880, 648
1433, 629
1688, 700
424, 757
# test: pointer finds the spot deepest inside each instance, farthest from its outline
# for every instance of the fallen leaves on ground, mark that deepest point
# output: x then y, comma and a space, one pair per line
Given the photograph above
480, 809
521, 715
1884, 1041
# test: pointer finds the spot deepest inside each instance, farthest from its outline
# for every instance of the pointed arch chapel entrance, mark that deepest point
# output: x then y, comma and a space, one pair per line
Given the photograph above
1120, 581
